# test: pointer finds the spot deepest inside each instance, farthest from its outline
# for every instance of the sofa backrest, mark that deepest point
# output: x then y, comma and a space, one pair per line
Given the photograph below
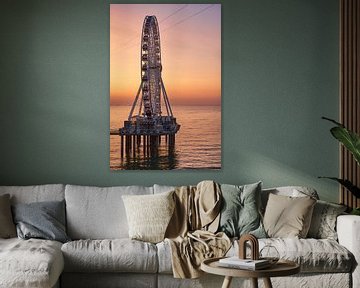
36, 193
98, 213
163, 188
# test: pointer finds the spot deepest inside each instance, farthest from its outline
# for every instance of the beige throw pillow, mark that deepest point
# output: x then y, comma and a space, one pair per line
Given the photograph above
7, 226
288, 217
149, 215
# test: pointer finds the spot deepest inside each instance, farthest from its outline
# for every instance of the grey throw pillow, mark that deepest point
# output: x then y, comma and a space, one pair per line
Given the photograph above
44, 220
323, 222
240, 210
7, 227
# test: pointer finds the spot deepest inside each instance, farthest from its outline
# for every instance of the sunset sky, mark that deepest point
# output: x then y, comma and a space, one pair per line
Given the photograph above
190, 39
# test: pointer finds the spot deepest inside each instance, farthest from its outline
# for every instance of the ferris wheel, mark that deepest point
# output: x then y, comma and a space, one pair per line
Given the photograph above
152, 88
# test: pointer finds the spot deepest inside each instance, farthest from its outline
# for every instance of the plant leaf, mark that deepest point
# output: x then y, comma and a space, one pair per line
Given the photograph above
347, 184
333, 121
355, 211
349, 139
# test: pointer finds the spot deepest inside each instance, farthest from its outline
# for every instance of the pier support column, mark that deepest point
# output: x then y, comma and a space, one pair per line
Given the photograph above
171, 143
148, 145
144, 145
134, 145
127, 148
122, 146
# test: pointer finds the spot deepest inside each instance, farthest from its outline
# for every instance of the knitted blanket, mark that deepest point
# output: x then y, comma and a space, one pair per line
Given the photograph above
191, 232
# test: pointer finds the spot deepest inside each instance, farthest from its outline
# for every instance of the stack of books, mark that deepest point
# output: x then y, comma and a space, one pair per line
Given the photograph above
248, 264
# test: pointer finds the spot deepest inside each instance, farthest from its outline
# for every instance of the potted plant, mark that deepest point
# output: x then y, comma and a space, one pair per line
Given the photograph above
351, 141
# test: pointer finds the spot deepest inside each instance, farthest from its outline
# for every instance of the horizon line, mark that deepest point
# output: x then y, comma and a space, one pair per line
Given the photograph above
129, 105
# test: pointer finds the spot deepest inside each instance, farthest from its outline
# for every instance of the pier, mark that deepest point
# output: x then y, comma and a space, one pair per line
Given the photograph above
146, 135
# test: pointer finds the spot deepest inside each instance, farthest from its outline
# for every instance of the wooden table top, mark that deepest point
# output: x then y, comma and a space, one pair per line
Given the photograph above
281, 268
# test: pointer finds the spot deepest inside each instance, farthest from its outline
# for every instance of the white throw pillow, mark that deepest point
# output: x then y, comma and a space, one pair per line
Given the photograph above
149, 215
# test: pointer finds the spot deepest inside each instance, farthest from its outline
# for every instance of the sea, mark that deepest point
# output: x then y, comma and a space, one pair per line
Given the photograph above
197, 143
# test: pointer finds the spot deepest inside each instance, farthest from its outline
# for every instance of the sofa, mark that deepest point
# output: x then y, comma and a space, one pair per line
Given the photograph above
100, 253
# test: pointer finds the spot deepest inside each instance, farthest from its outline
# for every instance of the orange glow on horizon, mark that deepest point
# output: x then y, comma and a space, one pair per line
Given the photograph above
190, 51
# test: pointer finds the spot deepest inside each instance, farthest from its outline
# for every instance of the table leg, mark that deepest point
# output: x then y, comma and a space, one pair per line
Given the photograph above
267, 283
254, 282
227, 282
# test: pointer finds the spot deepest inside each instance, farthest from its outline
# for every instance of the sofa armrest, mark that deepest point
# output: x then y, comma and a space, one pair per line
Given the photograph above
348, 230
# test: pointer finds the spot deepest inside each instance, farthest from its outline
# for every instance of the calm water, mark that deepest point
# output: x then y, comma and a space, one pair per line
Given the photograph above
198, 142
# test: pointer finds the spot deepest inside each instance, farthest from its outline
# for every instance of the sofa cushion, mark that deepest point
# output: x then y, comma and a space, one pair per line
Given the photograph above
7, 227
287, 216
30, 263
163, 188
323, 222
164, 257
240, 210
291, 191
36, 193
98, 213
43, 220
149, 215
117, 255
313, 255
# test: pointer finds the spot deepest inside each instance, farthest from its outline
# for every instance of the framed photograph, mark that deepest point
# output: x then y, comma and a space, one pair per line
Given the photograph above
165, 86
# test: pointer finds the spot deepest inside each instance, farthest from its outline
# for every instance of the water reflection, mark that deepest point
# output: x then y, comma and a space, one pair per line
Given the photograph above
198, 142
163, 157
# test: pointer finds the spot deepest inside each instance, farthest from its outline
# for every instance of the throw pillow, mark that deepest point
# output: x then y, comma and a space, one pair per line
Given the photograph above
240, 210
291, 191
7, 227
44, 220
323, 222
288, 217
149, 215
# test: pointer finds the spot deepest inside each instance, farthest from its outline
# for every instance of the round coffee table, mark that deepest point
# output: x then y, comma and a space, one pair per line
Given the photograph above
281, 268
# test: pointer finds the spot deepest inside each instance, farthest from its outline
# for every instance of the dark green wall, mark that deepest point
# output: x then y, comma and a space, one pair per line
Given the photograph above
280, 75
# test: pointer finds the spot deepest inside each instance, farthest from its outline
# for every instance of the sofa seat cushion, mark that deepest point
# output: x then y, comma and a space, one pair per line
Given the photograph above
313, 255
115, 255
30, 263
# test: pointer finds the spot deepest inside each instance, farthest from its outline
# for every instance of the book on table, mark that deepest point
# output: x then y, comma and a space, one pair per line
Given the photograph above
249, 264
